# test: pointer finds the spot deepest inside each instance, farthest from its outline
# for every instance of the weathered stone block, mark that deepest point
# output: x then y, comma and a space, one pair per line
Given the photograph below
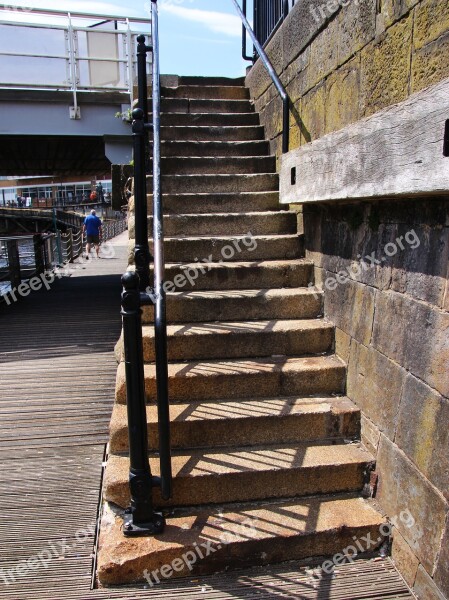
258, 80
416, 507
415, 335
323, 55
423, 432
370, 435
420, 268
375, 385
393, 10
386, 68
425, 588
442, 570
351, 307
342, 344
356, 28
404, 559
431, 22
302, 25
343, 94
272, 118
430, 64
299, 65
314, 113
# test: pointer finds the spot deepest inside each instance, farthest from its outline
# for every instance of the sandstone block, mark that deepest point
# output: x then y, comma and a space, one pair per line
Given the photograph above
415, 335
351, 307
323, 54
423, 432
418, 510
386, 68
431, 22
370, 435
425, 587
272, 118
393, 10
442, 571
314, 113
404, 558
301, 26
342, 102
356, 28
375, 385
342, 344
430, 64
258, 80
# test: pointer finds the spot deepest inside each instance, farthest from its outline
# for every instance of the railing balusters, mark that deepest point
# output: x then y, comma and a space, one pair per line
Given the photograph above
269, 67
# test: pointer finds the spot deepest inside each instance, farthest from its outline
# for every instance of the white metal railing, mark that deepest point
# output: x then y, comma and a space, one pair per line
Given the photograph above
69, 51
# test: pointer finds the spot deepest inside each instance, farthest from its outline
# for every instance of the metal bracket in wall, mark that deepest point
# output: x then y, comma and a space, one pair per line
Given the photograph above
75, 112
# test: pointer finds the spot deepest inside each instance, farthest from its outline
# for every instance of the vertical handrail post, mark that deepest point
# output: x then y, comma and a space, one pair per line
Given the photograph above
142, 255
160, 320
140, 518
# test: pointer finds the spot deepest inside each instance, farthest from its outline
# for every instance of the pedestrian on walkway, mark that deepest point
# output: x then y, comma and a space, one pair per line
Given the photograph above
92, 229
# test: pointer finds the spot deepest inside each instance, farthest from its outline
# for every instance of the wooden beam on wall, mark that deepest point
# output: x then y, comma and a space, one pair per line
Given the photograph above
396, 152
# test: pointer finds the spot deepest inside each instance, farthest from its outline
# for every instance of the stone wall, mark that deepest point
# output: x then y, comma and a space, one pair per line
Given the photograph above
384, 268
342, 60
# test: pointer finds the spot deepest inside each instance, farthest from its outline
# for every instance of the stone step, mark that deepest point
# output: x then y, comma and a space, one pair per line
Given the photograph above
194, 203
227, 305
212, 134
195, 106
217, 183
201, 92
237, 149
240, 339
245, 378
227, 248
208, 119
214, 539
220, 224
244, 474
245, 422
201, 165
246, 275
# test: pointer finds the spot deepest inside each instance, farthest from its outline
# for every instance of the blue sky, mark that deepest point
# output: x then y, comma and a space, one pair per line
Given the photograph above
198, 37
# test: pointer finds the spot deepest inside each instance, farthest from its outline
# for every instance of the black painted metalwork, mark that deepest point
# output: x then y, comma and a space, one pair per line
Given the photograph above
142, 256
140, 518
267, 17
274, 76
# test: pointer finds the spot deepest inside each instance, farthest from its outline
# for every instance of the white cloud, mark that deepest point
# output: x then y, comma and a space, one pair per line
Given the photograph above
218, 22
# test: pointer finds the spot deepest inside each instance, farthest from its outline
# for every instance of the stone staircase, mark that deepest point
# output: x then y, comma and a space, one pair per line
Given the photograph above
266, 462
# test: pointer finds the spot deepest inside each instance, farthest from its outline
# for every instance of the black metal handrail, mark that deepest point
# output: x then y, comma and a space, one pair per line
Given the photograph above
274, 76
141, 518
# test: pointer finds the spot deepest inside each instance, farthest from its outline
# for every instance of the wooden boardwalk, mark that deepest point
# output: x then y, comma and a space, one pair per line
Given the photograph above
57, 376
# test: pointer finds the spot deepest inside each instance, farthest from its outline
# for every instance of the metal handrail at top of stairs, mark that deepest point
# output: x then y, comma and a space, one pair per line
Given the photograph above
140, 517
272, 73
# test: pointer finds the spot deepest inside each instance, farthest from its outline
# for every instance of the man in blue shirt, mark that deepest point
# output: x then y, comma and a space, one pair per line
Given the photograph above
92, 231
